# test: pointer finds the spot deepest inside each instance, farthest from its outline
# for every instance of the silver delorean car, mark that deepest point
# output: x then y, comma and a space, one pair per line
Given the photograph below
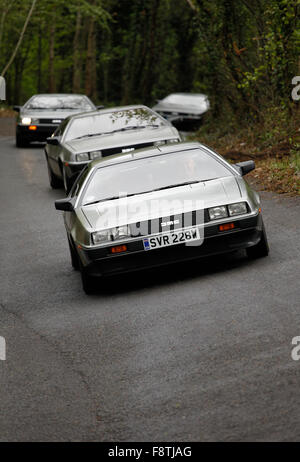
157, 206
85, 137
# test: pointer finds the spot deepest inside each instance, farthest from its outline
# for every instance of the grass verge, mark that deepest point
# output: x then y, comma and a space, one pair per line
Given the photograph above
273, 142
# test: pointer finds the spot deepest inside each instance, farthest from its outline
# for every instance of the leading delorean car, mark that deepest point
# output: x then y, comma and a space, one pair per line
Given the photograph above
158, 206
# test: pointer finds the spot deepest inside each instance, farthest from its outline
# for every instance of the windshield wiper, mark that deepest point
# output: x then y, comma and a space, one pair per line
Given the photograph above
106, 199
177, 184
90, 134
134, 127
150, 191
115, 131
170, 186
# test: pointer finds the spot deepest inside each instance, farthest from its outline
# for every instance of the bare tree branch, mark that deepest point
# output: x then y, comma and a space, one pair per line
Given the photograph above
190, 2
20, 38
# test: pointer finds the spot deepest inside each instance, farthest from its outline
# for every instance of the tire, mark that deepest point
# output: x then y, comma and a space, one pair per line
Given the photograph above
261, 249
88, 282
74, 256
20, 141
55, 183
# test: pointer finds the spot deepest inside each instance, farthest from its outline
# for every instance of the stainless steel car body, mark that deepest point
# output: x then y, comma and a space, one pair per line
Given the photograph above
183, 106
40, 116
62, 157
83, 220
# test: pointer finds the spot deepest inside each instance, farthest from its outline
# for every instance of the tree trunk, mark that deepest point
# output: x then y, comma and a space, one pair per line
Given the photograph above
90, 60
39, 60
51, 83
76, 56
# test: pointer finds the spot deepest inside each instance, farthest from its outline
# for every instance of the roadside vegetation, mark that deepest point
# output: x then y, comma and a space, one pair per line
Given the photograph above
243, 54
273, 143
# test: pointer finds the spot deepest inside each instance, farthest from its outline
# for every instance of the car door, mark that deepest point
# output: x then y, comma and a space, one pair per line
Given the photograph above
54, 151
70, 217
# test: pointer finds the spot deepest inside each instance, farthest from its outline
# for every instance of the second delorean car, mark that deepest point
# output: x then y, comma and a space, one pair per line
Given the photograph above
85, 137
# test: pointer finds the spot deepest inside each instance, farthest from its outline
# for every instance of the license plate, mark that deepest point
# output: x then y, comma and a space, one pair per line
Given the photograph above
173, 238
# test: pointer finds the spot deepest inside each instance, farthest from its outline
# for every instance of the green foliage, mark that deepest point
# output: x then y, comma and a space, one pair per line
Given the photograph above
243, 54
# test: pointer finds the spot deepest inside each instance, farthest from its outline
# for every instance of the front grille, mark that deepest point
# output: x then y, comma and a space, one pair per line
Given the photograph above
118, 150
49, 121
175, 113
170, 223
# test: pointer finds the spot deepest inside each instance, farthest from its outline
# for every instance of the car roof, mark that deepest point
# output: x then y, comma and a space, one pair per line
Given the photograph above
144, 153
187, 95
109, 110
59, 94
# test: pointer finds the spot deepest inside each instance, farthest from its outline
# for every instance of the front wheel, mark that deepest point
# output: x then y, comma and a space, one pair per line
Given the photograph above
261, 249
74, 256
88, 282
21, 142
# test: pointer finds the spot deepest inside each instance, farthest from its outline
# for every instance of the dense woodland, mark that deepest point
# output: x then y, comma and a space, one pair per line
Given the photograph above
242, 53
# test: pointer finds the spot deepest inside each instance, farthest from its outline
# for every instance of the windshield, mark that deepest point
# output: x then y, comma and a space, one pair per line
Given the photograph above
153, 173
59, 102
99, 124
190, 100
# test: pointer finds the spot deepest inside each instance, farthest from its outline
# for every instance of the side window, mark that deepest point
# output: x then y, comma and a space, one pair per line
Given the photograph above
79, 182
61, 128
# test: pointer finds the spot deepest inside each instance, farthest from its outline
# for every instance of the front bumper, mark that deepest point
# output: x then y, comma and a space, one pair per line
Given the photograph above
40, 134
181, 116
100, 261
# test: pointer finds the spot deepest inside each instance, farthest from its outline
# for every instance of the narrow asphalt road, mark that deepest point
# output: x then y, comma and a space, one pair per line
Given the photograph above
194, 352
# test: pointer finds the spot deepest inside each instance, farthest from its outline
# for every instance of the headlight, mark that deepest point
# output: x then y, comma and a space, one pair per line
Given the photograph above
173, 140
159, 143
113, 234
101, 236
215, 213
26, 120
122, 232
82, 157
237, 209
95, 154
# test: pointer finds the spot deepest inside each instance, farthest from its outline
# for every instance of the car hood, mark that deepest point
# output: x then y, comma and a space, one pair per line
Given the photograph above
48, 114
162, 203
122, 139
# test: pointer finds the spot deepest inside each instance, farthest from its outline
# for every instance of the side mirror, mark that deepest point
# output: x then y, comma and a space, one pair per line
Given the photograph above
54, 140
65, 204
157, 101
245, 167
17, 108
100, 107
